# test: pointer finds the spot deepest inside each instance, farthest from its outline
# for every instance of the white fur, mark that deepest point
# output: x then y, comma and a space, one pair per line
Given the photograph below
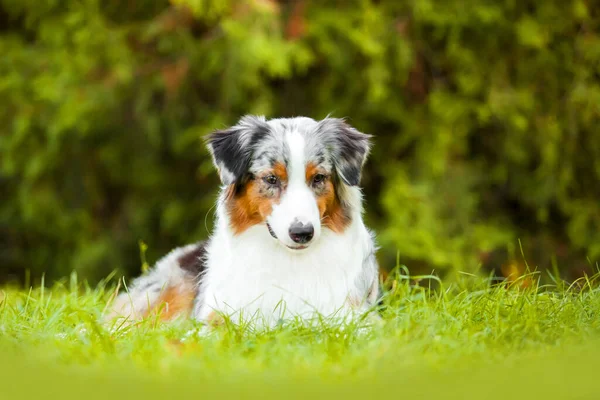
251, 277
298, 203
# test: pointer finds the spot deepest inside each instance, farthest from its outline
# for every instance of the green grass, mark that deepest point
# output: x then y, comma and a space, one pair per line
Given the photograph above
466, 340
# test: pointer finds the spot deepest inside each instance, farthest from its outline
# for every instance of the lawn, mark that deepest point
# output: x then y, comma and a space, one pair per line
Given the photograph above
467, 339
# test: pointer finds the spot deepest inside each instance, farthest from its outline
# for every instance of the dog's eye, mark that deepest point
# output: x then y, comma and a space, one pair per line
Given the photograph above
271, 180
318, 178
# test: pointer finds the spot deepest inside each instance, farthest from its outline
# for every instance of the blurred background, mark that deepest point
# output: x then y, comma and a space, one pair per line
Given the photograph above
485, 116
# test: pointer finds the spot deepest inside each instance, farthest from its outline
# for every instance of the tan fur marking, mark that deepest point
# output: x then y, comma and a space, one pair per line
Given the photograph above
215, 319
280, 171
249, 207
175, 301
330, 208
311, 171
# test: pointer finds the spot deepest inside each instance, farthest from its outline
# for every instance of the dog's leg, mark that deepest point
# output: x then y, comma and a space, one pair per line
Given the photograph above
168, 289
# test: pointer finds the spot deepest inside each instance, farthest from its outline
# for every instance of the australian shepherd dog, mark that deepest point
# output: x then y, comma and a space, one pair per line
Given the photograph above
289, 240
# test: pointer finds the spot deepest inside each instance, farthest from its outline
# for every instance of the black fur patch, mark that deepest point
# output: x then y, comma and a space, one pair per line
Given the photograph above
194, 261
232, 148
353, 147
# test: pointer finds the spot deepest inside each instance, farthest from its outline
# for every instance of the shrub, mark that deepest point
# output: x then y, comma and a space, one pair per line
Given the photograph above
484, 115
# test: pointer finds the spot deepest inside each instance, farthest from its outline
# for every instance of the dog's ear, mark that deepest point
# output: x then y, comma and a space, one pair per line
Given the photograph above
232, 148
349, 148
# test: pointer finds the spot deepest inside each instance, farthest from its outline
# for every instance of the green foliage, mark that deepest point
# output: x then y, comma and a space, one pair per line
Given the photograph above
484, 115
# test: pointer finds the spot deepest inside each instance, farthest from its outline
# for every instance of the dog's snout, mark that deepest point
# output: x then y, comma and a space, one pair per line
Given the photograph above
301, 233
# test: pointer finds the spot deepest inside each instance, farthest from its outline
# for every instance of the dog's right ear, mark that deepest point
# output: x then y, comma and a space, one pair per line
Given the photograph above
232, 148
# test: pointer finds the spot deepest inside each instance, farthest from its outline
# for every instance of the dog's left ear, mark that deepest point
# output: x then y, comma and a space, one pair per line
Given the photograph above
232, 148
350, 149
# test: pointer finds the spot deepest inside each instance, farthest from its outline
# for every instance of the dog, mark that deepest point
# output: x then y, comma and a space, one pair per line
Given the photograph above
289, 240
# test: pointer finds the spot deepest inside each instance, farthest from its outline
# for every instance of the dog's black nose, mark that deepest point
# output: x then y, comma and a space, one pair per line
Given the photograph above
301, 233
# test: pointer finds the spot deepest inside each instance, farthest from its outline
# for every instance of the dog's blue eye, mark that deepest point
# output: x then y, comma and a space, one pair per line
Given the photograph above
271, 180
318, 178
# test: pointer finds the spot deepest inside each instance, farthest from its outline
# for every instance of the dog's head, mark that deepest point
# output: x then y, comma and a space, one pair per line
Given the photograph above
291, 175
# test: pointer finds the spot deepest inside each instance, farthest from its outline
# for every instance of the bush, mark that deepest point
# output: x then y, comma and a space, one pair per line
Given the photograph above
484, 115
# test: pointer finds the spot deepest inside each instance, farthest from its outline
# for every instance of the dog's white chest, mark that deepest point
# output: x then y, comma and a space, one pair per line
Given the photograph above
254, 278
